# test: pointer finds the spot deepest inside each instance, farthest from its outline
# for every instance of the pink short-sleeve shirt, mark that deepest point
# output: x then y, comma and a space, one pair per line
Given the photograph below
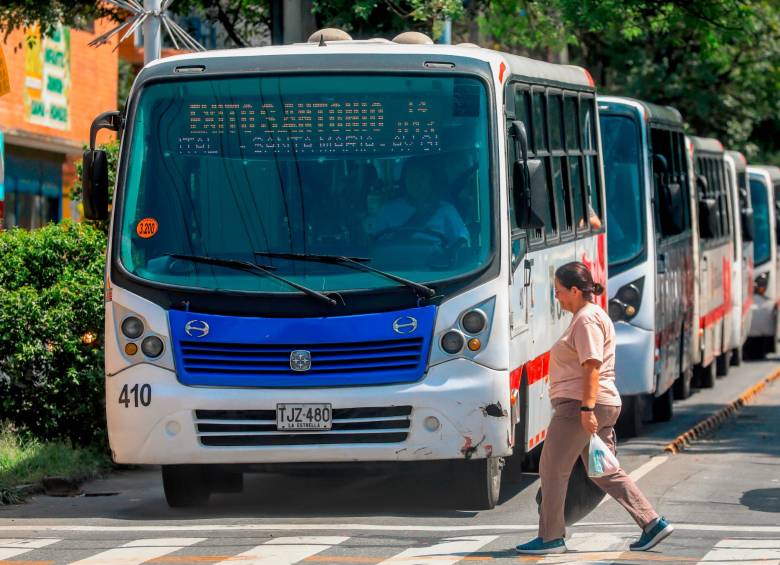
590, 335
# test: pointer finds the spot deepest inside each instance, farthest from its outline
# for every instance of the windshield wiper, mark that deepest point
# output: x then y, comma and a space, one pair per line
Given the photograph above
254, 269
357, 263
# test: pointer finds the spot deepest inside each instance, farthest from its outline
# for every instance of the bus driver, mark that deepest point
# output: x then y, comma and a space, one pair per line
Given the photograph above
419, 212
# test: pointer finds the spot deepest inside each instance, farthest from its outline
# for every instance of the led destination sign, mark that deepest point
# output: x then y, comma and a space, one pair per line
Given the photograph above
307, 127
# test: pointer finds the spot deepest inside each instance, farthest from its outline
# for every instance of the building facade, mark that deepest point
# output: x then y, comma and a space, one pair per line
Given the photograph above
58, 84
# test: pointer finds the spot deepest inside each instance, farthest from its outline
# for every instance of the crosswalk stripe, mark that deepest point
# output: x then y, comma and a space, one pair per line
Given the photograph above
13, 547
599, 545
285, 550
744, 552
139, 551
450, 550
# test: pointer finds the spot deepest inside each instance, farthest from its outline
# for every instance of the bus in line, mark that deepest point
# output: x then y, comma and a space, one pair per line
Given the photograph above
764, 188
742, 259
651, 266
715, 256
342, 251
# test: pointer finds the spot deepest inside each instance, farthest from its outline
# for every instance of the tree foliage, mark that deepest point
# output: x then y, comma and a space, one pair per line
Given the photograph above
51, 331
48, 13
716, 61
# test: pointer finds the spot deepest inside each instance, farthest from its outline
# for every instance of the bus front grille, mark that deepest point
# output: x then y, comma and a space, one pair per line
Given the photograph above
239, 428
402, 358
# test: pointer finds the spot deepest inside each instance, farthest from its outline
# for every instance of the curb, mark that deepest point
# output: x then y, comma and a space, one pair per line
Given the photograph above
714, 421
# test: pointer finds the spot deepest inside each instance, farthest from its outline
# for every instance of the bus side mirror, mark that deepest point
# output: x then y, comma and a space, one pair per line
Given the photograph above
94, 174
95, 182
529, 186
747, 224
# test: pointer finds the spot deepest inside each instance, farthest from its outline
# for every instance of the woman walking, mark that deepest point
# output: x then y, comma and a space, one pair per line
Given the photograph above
585, 401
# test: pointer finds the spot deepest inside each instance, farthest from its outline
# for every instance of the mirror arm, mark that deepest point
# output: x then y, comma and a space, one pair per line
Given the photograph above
107, 120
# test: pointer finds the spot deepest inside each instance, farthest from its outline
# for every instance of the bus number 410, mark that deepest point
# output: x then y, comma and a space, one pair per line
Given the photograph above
140, 395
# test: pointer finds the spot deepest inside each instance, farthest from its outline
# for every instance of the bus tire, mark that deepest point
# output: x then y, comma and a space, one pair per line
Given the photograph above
736, 356
629, 423
185, 486
663, 406
722, 363
705, 376
480, 482
682, 386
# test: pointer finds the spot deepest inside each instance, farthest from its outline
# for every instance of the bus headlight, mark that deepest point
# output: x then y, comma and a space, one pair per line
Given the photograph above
474, 321
452, 342
132, 327
467, 335
152, 346
626, 303
761, 284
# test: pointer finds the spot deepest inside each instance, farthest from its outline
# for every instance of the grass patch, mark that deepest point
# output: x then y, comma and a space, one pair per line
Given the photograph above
25, 460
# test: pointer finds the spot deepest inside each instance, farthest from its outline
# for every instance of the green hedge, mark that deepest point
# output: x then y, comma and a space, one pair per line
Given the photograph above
51, 306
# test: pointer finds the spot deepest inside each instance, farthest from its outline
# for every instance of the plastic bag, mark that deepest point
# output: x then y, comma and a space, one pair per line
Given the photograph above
601, 460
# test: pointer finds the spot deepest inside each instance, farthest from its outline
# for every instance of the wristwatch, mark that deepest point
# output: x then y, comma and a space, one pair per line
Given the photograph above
587, 408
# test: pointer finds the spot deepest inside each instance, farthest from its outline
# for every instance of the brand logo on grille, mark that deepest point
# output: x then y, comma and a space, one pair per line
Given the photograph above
196, 328
404, 325
300, 360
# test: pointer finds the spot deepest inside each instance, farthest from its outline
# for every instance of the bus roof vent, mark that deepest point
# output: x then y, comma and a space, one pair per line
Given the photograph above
329, 34
467, 45
413, 38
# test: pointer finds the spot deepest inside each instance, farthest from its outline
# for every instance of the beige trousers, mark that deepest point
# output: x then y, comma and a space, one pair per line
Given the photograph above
566, 440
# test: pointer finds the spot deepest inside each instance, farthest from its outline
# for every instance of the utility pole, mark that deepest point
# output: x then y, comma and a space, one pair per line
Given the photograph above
152, 37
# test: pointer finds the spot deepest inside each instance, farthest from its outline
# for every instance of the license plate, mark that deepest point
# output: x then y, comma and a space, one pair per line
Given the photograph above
303, 417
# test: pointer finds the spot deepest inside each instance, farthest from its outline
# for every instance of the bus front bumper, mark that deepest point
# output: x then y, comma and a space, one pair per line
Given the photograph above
764, 317
634, 360
469, 401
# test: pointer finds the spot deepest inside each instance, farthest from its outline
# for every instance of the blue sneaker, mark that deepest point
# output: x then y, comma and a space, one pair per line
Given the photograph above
539, 547
656, 535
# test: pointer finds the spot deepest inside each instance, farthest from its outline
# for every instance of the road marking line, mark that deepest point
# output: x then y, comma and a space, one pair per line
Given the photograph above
139, 551
13, 547
744, 552
449, 550
285, 550
264, 527
372, 527
604, 546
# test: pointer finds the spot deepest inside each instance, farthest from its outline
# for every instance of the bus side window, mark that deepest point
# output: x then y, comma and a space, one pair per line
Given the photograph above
573, 161
555, 105
523, 112
562, 193
539, 123
593, 185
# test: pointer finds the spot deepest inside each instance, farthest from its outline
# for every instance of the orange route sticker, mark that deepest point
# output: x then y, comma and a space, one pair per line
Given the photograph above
147, 227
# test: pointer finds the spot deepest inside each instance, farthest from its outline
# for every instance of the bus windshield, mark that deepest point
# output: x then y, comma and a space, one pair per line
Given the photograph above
392, 171
759, 194
625, 218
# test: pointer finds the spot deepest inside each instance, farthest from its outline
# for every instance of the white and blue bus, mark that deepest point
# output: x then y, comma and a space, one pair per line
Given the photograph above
765, 325
651, 241
341, 251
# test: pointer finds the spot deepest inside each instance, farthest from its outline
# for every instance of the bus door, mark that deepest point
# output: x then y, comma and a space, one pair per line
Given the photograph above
674, 254
562, 137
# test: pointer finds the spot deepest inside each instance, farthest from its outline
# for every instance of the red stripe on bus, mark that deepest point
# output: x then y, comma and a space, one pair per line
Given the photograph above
717, 313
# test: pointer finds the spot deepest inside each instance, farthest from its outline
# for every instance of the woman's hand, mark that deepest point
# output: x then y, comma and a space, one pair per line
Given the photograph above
589, 422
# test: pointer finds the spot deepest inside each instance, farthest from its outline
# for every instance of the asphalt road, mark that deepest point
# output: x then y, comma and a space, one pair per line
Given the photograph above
722, 495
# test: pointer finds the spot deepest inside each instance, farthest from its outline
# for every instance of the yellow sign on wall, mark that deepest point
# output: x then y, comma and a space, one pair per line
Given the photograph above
47, 78
5, 82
